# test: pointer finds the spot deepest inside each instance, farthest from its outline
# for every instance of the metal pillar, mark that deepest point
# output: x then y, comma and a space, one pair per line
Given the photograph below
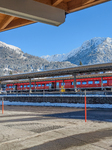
102, 83
0, 86
29, 85
63, 83
13, 87
35, 86
2, 105
75, 88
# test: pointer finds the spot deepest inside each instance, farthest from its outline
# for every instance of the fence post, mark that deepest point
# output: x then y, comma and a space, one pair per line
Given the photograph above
85, 108
2, 105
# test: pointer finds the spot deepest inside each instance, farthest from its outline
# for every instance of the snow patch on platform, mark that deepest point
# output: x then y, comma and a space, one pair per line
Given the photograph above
57, 104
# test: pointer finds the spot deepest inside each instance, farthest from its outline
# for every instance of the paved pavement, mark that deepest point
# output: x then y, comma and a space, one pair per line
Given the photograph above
55, 128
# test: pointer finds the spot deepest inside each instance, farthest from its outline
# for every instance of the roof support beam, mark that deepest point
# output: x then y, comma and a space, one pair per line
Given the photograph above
81, 4
6, 21
17, 22
32, 10
56, 2
87, 1
48, 2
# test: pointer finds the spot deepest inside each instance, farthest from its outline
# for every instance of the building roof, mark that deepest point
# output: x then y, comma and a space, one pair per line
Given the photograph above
60, 72
61, 78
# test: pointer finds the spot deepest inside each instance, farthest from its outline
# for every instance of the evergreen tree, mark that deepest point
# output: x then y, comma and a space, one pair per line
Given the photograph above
80, 63
10, 72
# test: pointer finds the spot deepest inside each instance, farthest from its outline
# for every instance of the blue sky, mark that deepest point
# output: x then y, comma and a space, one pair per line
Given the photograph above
41, 39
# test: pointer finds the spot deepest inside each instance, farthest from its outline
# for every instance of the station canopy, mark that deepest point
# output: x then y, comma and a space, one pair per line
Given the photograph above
60, 72
16, 13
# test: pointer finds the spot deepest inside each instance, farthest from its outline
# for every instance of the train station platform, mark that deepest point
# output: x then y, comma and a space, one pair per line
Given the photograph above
55, 128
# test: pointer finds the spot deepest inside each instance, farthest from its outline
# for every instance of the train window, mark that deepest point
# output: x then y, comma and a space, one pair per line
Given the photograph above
72, 83
62, 83
84, 82
78, 83
21, 86
9, 86
28, 85
32, 85
50, 84
97, 82
39, 85
57, 84
43, 84
104, 81
24, 85
90, 82
47, 84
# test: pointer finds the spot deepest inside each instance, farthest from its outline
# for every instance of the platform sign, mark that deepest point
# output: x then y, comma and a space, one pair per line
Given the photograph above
62, 89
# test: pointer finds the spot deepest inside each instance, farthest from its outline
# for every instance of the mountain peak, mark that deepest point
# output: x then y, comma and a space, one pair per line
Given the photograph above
94, 42
108, 40
10, 47
96, 50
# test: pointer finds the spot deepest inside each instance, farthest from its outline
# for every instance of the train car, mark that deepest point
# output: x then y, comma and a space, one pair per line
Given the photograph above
68, 84
35, 86
89, 83
9, 87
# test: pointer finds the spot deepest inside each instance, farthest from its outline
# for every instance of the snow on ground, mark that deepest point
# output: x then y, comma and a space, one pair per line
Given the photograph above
57, 104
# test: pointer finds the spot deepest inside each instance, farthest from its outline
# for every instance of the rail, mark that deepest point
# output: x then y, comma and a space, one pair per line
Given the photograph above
58, 95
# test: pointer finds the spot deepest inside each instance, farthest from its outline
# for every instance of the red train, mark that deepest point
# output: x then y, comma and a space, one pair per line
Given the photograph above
57, 83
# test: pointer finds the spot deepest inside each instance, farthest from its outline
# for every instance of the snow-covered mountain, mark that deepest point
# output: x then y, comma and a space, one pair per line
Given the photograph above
96, 50
56, 57
10, 47
14, 60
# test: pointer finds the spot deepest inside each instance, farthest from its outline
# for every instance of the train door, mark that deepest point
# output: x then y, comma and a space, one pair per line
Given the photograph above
51, 85
15, 87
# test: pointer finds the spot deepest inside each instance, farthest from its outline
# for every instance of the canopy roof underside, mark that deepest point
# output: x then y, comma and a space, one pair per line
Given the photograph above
8, 21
